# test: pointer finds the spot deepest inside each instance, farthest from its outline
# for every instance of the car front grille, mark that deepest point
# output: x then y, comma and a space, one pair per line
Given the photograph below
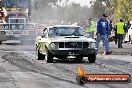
61, 45
73, 45
85, 44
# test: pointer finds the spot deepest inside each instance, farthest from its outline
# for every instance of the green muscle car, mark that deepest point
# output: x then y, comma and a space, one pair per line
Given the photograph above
63, 41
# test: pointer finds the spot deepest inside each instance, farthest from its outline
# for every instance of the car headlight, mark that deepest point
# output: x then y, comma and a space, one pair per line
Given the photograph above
53, 46
6, 27
13, 27
21, 27
93, 45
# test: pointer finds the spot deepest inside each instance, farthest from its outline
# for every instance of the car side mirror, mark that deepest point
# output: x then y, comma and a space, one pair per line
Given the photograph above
43, 35
87, 35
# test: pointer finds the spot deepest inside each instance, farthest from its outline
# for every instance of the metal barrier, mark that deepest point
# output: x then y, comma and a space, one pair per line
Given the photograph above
13, 28
20, 28
17, 26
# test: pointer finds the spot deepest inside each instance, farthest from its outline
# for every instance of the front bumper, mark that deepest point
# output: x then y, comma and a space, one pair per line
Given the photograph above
3, 37
73, 52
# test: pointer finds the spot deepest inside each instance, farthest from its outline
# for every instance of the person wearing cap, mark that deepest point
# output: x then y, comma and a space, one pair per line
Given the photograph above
102, 31
109, 25
120, 32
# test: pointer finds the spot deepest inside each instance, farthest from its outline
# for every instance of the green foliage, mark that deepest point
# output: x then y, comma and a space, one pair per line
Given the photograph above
102, 6
115, 8
123, 9
46, 3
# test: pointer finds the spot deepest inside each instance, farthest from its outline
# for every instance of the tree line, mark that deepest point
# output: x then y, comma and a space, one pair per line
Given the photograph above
68, 12
116, 9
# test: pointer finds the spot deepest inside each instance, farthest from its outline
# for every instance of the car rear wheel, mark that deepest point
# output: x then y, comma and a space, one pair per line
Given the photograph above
49, 57
40, 56
92, 58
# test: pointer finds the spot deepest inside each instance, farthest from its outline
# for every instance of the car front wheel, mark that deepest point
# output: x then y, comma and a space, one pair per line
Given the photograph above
49, 57
92, 58
0, 42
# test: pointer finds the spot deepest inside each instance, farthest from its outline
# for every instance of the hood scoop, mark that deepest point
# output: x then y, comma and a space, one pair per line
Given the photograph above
72, 37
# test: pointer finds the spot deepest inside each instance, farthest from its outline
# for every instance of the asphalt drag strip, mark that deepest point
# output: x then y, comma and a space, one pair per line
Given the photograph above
67, 70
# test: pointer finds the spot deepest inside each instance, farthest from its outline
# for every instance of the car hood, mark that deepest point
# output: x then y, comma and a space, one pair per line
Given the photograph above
72, 39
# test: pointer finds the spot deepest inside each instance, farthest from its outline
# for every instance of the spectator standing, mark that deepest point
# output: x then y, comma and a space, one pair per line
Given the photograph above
109, 26
127, 26
102, 34
120, 32
115, 30
91, 28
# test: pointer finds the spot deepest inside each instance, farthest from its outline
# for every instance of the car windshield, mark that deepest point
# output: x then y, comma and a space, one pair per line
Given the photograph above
65, 31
